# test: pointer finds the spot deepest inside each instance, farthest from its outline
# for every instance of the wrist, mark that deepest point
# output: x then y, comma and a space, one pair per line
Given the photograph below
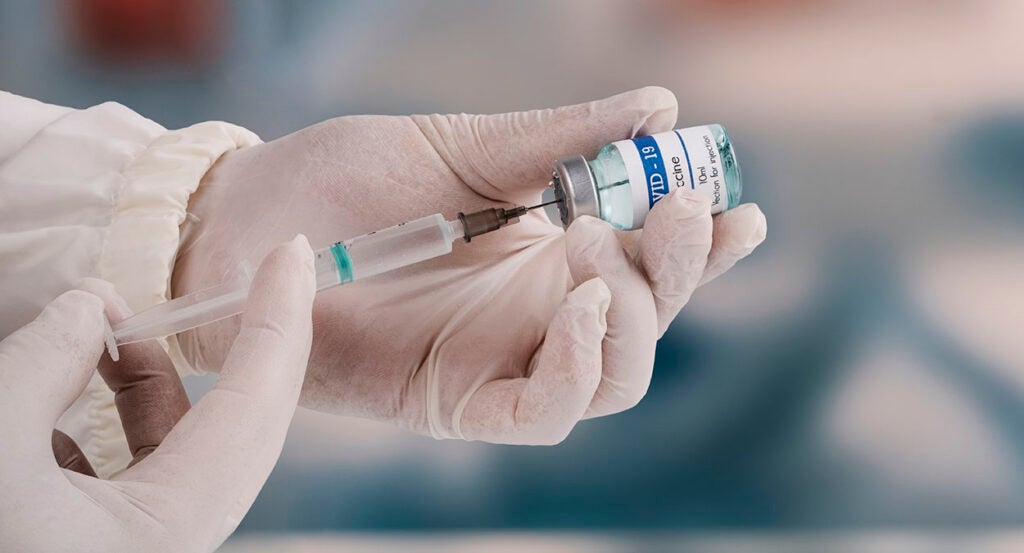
237, 213
204, 259
209, 238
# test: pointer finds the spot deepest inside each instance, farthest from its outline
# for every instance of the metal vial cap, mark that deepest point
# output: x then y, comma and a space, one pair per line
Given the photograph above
575, 189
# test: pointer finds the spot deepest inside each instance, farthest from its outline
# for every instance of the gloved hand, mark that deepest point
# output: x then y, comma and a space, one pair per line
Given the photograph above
513, 338
192, 479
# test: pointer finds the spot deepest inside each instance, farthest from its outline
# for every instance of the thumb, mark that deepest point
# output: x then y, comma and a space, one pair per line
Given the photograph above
45, 365
508, 157
216, 459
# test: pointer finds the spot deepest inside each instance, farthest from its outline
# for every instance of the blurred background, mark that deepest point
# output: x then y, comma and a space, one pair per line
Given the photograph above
858, 382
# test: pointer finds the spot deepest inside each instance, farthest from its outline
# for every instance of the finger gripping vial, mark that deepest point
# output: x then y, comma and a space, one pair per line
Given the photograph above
626, 178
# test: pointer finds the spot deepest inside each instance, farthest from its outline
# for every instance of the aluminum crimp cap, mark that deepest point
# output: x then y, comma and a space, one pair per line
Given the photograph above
575, 190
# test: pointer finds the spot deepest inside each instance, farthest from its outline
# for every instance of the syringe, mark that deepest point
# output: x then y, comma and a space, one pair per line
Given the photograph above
346, 261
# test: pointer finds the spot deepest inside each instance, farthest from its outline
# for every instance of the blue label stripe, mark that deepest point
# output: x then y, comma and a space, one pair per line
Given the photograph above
654, 168
693, 185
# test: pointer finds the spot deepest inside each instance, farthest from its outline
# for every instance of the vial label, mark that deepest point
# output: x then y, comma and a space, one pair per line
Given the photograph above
684, 158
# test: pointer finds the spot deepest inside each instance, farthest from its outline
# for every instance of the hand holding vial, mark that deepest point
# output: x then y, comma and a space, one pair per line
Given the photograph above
513, 338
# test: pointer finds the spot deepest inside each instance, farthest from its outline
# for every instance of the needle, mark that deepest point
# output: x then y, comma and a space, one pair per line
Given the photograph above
532, 207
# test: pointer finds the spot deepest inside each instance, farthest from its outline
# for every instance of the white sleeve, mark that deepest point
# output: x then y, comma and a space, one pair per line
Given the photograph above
22, 119
96, 192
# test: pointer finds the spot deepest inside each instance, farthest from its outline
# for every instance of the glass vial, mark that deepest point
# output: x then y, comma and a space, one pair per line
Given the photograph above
628, 177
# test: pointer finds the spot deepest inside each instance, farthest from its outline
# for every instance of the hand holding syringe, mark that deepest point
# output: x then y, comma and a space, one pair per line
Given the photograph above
346, 261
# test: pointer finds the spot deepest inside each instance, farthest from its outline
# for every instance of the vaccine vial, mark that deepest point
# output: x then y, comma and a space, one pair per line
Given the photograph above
628, 177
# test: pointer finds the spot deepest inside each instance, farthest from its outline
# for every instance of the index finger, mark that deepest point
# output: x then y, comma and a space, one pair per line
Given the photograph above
509, 156
148, 393
214, 462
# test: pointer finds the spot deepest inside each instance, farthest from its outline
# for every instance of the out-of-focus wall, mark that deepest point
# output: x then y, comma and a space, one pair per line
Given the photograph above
864, 367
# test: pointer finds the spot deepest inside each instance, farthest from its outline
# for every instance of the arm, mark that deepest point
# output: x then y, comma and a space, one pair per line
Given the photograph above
23, 118
97, 192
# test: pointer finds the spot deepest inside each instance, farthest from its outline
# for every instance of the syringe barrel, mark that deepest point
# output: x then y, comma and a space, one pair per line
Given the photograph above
184, 313
361, 257
391, 248
326, 268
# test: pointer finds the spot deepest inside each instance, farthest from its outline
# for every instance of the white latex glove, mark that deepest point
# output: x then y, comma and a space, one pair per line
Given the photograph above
192, 490
514, 337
